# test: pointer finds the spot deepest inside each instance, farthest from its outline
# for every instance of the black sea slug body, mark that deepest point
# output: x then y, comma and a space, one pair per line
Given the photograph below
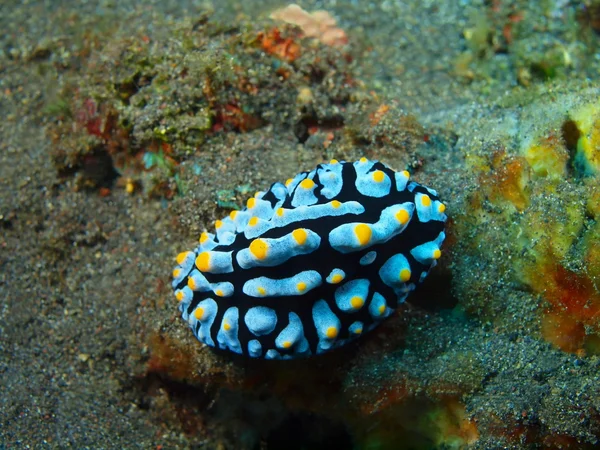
311, 264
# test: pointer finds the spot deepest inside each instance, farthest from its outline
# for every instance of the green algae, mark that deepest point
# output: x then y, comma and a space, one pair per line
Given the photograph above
176, 91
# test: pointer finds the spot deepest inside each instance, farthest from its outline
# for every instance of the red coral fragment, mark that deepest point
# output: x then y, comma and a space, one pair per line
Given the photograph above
318, 24
574, 304
89, 118
274, 44
233, 117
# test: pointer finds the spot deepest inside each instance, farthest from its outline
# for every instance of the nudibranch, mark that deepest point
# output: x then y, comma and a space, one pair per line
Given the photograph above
311, 264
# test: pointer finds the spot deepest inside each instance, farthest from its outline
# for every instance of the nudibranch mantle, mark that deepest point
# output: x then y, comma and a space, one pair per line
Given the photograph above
311, 264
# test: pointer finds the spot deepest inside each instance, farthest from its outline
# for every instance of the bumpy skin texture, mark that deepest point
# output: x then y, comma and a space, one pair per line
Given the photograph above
311, 264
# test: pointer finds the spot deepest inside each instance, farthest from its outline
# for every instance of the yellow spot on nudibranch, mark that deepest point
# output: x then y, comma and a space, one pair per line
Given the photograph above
441, 208
226, 326
425, 200
300, 236
253, 221
381, 309
199, 313
358, 331
301, 286
357, 302
402, 216
404, 275
179, 295
219, 292
279, 212
436, 253
218, 224
261, 290
363, 233
363, 160
180, 258
176, 273
288, 181
251, 203
406, 173
259, 248
336, 204
333, 161
335, 279
307, 183
191, 284
232, 215
331, 332
203, 237
203, 262
378, 176
286, 344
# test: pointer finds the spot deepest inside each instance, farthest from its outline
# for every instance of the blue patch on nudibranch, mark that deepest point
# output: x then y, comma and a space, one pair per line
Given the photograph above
311, 264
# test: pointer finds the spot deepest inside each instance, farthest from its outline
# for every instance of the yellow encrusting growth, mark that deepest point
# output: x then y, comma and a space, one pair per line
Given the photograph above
300, 236
587, 119
331, 332
404, 275
203, 262
548, 157
363, 233
259, 249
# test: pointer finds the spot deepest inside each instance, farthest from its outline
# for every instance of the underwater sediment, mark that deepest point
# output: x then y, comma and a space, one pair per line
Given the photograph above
151, 134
